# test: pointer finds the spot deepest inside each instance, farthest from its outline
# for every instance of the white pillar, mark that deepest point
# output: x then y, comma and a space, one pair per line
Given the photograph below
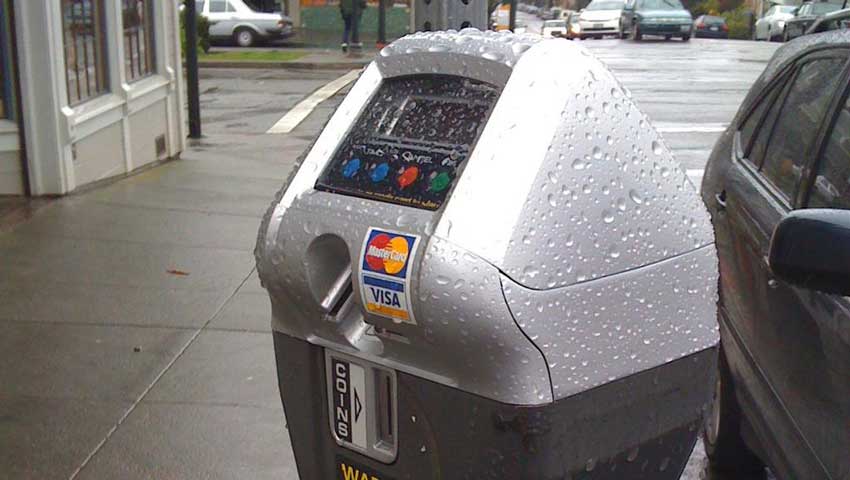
43, 95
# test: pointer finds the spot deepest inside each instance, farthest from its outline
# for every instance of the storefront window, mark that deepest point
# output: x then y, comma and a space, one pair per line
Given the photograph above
138, 38
84, 34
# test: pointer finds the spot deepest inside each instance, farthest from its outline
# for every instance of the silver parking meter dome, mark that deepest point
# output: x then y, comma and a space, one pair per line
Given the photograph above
490, 265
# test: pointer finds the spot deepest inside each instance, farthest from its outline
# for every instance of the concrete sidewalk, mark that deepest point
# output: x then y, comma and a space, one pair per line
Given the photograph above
134, 333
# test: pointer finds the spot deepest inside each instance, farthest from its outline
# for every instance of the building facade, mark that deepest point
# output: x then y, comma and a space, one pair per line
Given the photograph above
91, 89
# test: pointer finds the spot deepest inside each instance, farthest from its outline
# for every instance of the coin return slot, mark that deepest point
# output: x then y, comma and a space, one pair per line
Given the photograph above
385, 395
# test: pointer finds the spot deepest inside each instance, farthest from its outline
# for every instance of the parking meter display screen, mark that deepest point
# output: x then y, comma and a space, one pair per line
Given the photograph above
411, 142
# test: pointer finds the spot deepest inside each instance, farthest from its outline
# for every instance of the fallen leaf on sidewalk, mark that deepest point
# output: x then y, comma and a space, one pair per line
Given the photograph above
179, 273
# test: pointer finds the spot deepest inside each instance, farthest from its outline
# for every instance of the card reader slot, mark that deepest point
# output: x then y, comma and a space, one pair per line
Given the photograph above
339, 291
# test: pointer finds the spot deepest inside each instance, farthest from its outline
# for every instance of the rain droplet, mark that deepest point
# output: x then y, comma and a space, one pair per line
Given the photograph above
656, 148
607, 216
635, 196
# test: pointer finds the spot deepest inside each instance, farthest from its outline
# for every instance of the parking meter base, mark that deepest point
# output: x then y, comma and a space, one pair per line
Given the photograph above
611, 432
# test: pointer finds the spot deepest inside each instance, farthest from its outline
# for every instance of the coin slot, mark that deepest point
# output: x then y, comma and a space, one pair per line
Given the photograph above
386, 409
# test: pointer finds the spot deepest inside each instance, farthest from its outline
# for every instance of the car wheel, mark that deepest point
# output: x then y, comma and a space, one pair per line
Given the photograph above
668, 37
636, 35
724, 444
244, 37
686, 38
785, 36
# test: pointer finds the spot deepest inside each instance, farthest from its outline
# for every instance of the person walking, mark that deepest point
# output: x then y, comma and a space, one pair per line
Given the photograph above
351, 11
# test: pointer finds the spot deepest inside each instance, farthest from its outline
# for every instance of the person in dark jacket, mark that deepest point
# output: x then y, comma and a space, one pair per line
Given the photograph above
351, 11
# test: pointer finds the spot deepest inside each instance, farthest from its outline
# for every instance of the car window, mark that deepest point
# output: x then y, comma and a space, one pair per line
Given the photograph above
218, 6
230, 7
797, 126
831, 187
199, 6
760, 122
786, 9
605, 5
660, 5
804, 10
824, 8
770, 12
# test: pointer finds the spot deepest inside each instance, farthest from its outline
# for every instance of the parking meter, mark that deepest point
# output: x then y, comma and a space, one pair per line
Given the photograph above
488, 266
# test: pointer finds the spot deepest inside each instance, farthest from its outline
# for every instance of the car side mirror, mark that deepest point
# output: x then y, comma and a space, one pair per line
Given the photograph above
811, 249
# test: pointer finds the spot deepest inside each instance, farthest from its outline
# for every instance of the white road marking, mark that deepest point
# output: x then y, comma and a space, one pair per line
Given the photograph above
663, 127
297, 115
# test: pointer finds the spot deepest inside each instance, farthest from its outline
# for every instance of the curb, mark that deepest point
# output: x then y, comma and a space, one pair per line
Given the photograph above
293, 65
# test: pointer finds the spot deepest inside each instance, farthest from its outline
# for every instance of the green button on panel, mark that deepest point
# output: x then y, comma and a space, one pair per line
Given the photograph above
440, 182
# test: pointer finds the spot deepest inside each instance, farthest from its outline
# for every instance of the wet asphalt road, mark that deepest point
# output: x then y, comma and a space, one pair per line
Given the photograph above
691, 91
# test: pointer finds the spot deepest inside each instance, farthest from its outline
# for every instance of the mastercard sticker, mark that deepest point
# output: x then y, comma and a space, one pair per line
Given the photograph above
385, 270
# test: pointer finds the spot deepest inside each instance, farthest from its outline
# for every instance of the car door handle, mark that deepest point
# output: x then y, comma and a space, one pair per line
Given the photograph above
720, 199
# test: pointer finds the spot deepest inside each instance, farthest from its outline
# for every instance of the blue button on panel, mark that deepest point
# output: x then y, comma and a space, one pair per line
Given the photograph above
351, 168
380, 172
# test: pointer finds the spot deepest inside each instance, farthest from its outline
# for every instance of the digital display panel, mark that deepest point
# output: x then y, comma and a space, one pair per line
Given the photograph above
412, 140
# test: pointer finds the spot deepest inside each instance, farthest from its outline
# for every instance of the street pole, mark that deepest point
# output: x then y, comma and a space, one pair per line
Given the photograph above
382, 23
512, 21
193, 87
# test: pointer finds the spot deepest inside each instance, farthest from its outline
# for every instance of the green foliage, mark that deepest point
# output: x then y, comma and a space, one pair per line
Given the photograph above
274, 56
203, 32
739, 22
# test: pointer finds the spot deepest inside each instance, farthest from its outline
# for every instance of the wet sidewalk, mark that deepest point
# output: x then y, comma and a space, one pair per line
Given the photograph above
134, 333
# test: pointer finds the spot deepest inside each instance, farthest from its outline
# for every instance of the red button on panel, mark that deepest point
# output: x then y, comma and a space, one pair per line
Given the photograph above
408, 176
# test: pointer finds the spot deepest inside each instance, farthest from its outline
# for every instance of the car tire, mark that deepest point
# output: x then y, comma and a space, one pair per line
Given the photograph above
724, 445
636, 35
785, 36
686, 38
244, 37
668, 37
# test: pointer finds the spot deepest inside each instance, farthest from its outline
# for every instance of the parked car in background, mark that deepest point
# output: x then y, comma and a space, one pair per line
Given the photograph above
554, 29
709, 26
600, 18
777, 186
234, 20
666, 18
805, 16
837, 20
771, 25
566, 13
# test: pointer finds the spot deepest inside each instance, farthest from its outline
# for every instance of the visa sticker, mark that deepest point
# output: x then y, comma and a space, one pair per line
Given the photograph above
385, 270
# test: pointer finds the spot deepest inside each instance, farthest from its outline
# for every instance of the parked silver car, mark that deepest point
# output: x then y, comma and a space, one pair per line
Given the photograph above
233, 19
772, 25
